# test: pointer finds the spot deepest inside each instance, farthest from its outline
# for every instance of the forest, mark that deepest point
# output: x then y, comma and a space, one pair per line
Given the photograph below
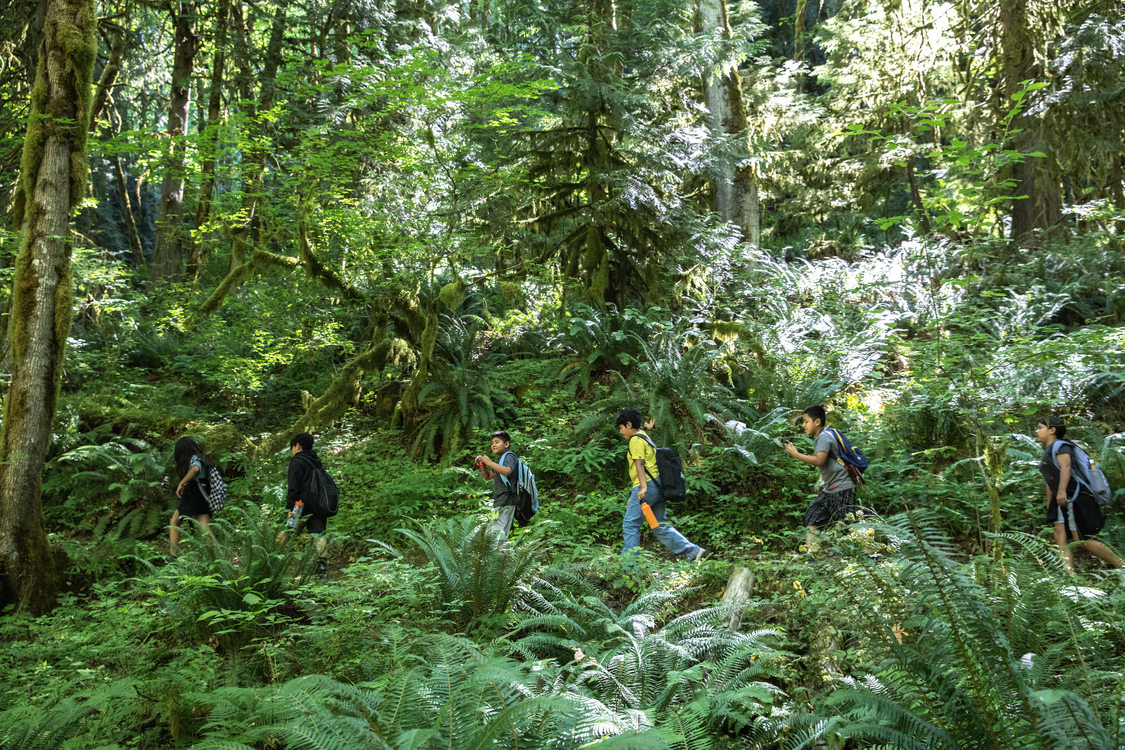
403, 225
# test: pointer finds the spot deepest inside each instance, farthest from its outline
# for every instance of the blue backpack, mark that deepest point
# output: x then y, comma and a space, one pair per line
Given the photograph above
527, 495
1085, 472
850, 456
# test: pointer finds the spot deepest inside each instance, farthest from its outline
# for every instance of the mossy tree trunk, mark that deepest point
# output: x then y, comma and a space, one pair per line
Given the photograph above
53, 176
1039, 205
168, 250
209, 130
736, 189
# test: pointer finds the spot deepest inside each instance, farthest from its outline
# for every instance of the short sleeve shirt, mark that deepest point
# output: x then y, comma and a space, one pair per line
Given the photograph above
198, 462
1051, 473
834, 475
640, 448
504, 493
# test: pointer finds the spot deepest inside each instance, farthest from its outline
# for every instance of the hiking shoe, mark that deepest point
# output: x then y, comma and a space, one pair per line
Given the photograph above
322, 567
702, 553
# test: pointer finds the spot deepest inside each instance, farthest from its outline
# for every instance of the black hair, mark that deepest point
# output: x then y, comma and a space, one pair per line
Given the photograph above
1057, 423
502, 435
305, 440
186, 447
816, 412
631, 417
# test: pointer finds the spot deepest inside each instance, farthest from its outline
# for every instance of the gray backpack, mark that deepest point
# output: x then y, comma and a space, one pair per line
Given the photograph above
1085, 472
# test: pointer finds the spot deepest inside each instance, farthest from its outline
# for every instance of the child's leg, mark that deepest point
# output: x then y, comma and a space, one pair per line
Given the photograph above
632, 523
1095, 547
1062, 542
174, 534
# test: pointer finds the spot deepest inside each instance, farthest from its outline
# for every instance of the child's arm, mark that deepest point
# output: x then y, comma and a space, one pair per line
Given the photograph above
1064, 477
192, 472
815, 460
488, 466
640, 462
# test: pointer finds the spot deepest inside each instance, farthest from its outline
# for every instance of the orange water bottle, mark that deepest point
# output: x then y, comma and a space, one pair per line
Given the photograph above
649, 516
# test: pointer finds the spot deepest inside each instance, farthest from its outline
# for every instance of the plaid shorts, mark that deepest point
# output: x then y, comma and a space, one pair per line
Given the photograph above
831, 506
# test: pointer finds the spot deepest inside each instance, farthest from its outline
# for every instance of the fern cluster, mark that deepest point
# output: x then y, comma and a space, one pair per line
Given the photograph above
975, 655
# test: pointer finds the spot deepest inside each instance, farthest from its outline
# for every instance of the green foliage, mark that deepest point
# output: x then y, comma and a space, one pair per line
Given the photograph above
237, 582
1001, 660
440, 690
599, 344
478, 575
79, 481
458, 396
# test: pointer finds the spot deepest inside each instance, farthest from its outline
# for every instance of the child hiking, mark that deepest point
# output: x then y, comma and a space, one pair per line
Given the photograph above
503, 492
1071, 507
192, 465
836, 498
645, 477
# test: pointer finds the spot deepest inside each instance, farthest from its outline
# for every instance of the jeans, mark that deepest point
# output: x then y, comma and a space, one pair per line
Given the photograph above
667, 535
503, 524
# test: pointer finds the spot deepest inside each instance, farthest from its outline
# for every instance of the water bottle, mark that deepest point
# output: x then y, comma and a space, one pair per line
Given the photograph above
295, 514
649, 515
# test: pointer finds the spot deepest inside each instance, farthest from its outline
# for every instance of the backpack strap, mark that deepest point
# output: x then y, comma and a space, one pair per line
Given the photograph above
503, 477
1074, 474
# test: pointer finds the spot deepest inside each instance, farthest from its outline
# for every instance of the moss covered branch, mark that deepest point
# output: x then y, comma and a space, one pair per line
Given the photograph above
340, 393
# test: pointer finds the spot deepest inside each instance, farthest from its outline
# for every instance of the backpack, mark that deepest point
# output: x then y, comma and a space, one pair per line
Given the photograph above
1085, 472
214, 490
850, 456
322, 498
671, 468
527, 495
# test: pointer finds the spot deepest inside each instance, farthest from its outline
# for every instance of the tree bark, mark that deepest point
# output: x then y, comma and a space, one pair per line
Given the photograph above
1034, 176
799, 27
168, 251
736, 188
53, 177
740, 586
209, 130
255, 162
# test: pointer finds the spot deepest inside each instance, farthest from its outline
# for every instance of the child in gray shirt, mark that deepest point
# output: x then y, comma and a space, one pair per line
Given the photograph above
837, 491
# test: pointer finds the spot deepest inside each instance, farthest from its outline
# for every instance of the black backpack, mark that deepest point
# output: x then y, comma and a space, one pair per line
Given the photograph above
322, 498
671, 468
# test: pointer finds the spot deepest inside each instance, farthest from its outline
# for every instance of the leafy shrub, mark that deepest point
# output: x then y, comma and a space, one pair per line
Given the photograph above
965, 655
109, 484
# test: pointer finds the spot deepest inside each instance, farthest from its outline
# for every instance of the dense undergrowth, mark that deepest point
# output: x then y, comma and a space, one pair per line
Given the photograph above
924, 625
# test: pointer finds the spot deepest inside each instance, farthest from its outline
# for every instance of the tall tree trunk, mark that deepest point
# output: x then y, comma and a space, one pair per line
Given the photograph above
210, 130
1034, 177
255, 162
736, 188
168, 252
53, 176
799, 28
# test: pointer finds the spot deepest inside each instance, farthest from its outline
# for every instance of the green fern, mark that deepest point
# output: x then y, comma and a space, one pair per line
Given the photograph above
478, 576
458, 397
983, 665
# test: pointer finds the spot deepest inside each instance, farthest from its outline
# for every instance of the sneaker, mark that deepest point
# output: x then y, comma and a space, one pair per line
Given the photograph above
702, 553
322, 567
